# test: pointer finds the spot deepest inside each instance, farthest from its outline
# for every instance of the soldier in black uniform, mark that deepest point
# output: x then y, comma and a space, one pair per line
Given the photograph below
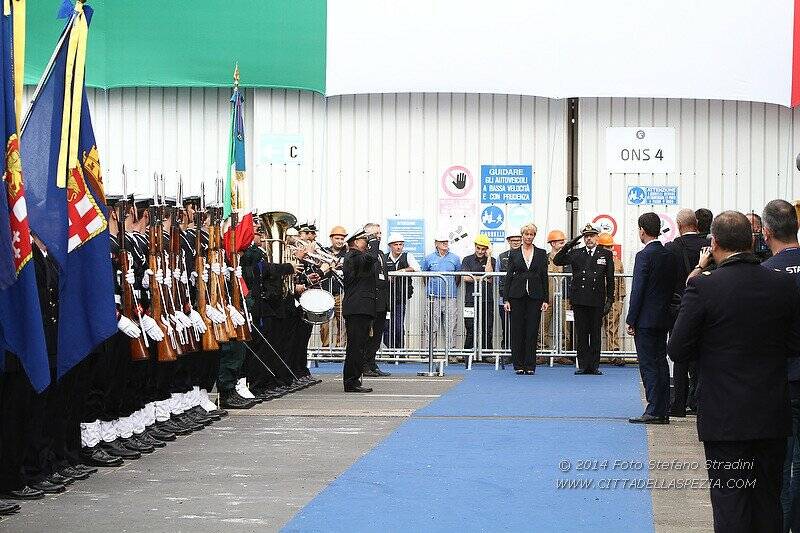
358, 307
591, 294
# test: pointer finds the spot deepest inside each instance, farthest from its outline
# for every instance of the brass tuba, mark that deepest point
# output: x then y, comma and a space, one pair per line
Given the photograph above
275, 225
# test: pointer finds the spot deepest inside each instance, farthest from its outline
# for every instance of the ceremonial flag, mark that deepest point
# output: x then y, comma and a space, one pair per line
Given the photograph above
237, 197
65, 189
21, 330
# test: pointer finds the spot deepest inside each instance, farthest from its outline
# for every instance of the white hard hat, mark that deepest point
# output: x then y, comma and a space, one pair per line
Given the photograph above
441, 236
396, 237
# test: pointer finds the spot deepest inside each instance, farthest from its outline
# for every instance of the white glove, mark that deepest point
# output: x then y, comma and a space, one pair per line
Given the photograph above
193, 277
179, 327
228, 271
185, 278
127, 327
238, 272
205, 274
130, 278
159, 276
214, 315
197, 321
236, 316
166, 323
183, 319
215, 268
146, 279
176, 273
152, 329
168, 278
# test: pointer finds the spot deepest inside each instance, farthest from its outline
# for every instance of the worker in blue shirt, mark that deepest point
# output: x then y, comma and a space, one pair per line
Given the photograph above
443, 292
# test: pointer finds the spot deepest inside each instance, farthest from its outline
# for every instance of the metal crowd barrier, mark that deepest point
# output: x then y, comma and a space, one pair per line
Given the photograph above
433, 327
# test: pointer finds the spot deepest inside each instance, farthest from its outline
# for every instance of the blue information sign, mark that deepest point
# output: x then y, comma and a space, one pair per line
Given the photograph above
413, 230
506, 184
652, 195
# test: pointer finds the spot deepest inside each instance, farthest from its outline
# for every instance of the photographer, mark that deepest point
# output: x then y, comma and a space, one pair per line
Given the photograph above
760, 248
686, 250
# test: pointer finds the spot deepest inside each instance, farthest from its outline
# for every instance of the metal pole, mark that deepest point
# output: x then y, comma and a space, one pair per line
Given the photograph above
430, 372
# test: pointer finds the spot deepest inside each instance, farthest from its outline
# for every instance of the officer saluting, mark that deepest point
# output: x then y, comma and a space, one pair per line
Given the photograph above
358, 307
591, 294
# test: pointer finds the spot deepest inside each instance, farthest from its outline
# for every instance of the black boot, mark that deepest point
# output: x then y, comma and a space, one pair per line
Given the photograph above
97, 456
232, 400
118, 449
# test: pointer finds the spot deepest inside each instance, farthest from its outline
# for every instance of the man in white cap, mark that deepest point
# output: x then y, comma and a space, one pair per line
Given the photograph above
591, 294
443, 293
401, 289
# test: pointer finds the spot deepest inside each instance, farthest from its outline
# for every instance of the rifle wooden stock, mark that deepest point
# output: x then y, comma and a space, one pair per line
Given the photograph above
237, 300
208, 339
165, 351
139, 351
214, 291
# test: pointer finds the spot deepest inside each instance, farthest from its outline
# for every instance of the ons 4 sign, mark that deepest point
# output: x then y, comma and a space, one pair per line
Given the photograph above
640, 150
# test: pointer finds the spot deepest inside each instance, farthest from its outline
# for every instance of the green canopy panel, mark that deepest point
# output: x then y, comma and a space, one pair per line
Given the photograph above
191, 43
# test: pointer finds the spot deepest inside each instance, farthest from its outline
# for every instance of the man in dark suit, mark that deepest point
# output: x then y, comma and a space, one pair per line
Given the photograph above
740, 323
358, 307
371, 368
591, 294
654, 275
686, 250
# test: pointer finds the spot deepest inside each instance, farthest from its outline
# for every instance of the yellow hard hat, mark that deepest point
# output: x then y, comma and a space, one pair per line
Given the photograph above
605, 239
482, 240
556, 235
338, 230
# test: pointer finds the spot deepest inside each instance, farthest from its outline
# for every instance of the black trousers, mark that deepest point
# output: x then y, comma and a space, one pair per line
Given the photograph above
526, 315
651, 349
18, 408
588, 321
487, 324
357, 327
374, 341
505, 340
685, 381
299, 360
755, 507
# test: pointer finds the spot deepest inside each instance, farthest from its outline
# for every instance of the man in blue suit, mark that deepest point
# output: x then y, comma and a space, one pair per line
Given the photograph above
654, 277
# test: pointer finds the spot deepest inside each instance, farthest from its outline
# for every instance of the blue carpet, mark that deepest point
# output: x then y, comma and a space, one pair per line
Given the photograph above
455, 466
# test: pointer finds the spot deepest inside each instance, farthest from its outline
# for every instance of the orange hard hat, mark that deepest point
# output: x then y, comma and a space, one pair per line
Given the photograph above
605, 239
338, 230
556, 235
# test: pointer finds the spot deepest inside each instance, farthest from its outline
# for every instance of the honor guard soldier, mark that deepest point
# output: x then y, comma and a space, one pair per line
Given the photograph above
591, 294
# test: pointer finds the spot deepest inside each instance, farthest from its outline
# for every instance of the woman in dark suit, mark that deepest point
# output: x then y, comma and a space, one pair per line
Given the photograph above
526, 290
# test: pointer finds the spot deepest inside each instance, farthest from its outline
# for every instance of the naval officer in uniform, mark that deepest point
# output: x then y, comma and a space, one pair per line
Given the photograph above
591, 294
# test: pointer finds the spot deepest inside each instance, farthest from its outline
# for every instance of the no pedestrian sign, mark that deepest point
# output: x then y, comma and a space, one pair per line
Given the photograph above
506, 184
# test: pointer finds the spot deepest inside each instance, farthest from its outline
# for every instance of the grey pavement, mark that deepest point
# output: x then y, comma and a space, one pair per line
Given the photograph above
251, 471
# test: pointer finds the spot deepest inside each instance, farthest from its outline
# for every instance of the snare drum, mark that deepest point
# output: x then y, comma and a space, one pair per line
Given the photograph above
317, 306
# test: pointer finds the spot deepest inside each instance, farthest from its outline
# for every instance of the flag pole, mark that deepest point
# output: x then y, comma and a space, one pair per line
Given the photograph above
49, 68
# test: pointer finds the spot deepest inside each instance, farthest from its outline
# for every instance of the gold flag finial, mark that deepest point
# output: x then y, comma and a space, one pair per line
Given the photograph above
236, 76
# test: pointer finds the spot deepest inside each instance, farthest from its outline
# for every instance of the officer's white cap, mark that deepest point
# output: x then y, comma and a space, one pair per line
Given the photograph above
396, 237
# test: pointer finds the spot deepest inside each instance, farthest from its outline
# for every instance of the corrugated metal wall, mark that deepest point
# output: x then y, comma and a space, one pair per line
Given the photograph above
368, 157
730, 155
169, 131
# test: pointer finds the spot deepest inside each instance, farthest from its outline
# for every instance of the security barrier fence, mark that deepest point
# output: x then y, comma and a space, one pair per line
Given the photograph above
458, 317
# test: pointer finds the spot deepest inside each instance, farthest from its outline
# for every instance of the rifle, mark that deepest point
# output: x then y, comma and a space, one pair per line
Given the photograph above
209, 340
188, 343
130, 304
218, 255
166, 347
237, 300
